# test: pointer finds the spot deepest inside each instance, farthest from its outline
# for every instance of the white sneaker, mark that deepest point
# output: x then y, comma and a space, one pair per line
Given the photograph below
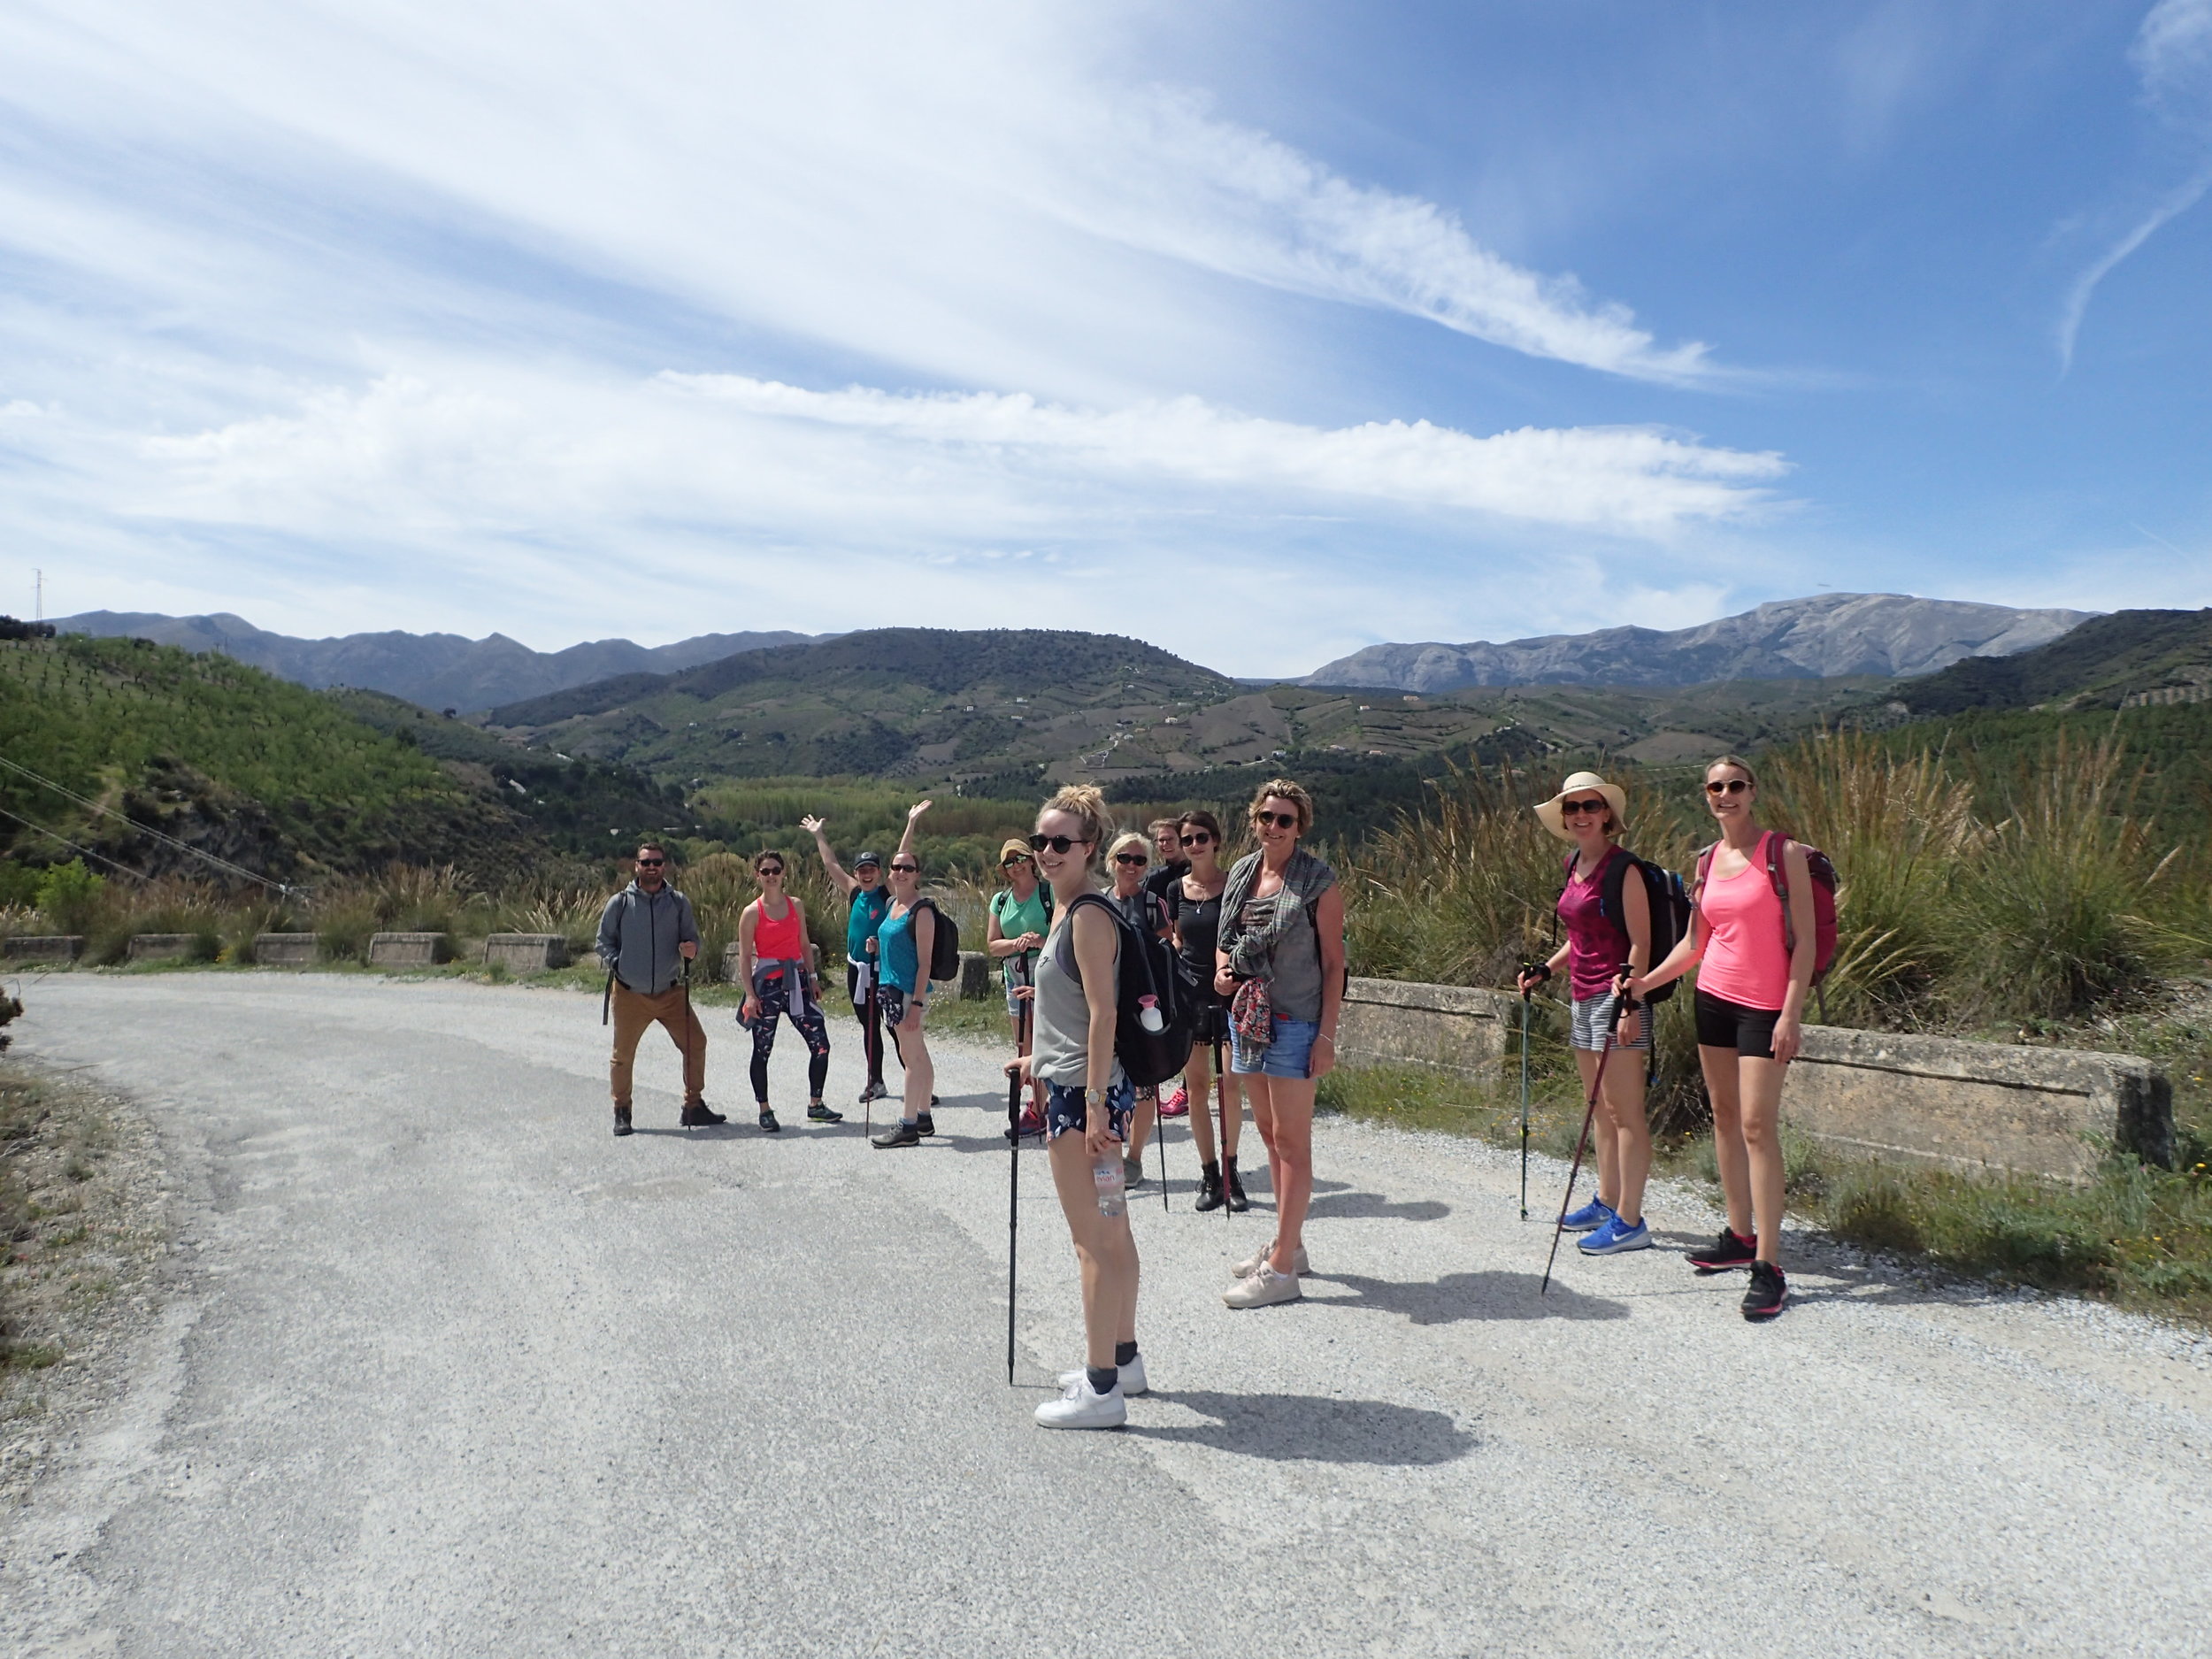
1080, 1408
1133, 1382
1251, 1264
1261, 1289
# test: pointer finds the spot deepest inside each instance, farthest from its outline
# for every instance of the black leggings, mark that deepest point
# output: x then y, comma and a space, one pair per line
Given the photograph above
871, 1022
775, 998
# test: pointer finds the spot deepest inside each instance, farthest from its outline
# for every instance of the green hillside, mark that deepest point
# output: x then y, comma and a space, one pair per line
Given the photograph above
262, 773
2131, 659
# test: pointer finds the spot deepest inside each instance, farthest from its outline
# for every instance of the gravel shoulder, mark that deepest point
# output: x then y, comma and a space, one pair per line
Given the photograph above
439, 1366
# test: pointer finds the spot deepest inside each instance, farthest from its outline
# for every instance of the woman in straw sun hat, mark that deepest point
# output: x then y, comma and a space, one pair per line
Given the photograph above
1607, 919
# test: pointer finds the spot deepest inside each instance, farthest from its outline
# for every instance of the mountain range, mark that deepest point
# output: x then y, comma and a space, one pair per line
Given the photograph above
438, 671
1824, 636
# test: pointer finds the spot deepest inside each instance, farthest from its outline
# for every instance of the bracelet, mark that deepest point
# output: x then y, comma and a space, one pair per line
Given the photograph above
1323, 1036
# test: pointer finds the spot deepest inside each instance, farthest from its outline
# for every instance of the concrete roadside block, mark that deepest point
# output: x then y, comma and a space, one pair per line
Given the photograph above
286, 950
526, 953
160, 947
43, 948
409, 951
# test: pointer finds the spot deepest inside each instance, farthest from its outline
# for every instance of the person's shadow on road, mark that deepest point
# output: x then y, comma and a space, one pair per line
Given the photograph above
1312, 1428
1458, 1296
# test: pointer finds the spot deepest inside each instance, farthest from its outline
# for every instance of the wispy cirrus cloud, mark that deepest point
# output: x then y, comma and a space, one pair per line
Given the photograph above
2172, 58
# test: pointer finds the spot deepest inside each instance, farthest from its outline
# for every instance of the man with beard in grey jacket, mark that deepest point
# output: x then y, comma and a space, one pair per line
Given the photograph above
646, 934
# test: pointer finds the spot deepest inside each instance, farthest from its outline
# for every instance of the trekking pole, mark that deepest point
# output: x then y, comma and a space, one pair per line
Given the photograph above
871, 1046
1159, 1132
1626, 1005
687, 984
1221, 1099
1525, 996
1013, 1185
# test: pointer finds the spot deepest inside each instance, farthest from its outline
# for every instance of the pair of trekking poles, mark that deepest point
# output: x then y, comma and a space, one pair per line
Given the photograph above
1626, 1005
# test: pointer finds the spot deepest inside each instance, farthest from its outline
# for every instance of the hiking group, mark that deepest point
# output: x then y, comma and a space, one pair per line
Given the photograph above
1113, 994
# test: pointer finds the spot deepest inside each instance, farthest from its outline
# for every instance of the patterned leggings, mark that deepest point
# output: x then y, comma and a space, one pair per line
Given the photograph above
775, 998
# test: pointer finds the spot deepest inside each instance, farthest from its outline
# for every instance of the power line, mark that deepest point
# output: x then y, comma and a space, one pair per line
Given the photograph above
143, 829
136, 875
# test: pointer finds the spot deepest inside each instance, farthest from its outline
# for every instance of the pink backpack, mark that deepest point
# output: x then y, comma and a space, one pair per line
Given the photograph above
1822, 871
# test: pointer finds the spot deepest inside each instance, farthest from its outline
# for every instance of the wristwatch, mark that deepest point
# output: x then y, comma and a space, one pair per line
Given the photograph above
1094, 1097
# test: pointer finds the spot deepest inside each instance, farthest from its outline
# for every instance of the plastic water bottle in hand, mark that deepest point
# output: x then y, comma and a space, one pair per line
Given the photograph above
1148, 1014
1113, 1195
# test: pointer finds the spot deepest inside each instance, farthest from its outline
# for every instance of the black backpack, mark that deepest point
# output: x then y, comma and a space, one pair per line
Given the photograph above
944, 943
1147, 966
1667, 899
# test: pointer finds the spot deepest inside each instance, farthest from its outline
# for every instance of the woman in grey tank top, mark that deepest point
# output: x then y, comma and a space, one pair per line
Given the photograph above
1088, 1100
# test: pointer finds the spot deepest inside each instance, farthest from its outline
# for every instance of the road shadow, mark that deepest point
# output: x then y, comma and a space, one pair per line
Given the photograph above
1460, 1296
1313, 1428
1350, 1206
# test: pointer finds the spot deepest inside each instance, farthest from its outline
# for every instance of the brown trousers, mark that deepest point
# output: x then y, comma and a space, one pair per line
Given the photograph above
633, 1012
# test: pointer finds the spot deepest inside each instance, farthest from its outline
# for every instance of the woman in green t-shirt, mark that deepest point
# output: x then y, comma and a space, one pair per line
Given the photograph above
1021, 915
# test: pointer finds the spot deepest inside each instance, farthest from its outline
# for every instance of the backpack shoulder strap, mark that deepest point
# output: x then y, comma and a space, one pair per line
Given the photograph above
1774, 848
1704, 870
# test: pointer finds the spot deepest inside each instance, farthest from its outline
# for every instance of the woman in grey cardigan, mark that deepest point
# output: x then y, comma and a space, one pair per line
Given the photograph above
1279, 961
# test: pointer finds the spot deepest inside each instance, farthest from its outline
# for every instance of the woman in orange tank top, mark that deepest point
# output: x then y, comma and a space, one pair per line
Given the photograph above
776, 967
1750, 1017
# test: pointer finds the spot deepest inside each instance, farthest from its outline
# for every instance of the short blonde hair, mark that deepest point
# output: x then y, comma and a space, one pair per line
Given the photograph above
1283, 789
1086, 802
1128, 839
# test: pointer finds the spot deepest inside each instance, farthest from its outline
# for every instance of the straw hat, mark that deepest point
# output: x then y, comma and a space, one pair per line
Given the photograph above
1617, 797
1011, 845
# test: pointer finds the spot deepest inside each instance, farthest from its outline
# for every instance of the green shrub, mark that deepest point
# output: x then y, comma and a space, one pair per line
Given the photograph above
70, 896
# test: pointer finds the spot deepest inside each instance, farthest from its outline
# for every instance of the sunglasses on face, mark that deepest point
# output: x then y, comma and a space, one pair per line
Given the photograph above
1727, 785
1575, 807
1131, 858
650, 863
1276, 820
905, 869
1199, 839
771, 869
1058, 843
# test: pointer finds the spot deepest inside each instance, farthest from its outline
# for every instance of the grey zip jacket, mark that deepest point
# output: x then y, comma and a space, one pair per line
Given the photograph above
638, 935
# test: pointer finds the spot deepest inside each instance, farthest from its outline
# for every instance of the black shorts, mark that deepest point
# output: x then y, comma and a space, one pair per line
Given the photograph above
1721, 1024
1209, 1022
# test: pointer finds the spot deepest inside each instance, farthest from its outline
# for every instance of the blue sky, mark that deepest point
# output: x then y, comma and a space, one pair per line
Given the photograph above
1262, 330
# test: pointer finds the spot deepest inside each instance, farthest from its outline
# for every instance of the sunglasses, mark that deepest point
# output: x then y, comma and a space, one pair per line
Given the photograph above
905, 869
1199, 839
650, 863
1131, 858
1058, 843
1011, 860
769, 869
1276, 820
1728, 786
1579, 807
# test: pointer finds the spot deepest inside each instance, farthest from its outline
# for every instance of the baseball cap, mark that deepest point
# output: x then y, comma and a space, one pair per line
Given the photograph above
866, 858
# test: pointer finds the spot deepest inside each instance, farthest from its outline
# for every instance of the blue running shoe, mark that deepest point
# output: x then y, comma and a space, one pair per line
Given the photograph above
1615, 1236
1591, 1216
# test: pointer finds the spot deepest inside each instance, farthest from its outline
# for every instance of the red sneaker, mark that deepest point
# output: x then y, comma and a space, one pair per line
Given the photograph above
1177, 1104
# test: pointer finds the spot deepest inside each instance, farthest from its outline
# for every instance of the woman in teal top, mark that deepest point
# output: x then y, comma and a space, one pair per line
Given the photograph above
871, 901
905, 942
1021, 916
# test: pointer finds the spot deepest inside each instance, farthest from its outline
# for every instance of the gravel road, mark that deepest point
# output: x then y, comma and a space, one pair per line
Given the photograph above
445, 1369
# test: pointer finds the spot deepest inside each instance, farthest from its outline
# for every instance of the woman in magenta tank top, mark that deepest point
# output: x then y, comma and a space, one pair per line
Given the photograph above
776, 967
1750, 1016
1588, 813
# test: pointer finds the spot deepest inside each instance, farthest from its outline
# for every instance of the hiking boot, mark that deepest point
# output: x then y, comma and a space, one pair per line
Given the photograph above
1238, 1203
874, 1091
699, 1115
1589, 1219
1252, 1264
768, 1123
899, 1134
925, 1125
1176, 1105
1615, 1236
1730, 1251
1768, 1291
1211, 1195
1262, 1289
1133, 1382
1080, 1408
622, 1121
818, 1113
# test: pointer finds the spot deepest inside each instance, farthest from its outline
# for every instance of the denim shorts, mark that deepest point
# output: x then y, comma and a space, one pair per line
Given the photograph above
1063, 1110
1594, 1016
1287, 1055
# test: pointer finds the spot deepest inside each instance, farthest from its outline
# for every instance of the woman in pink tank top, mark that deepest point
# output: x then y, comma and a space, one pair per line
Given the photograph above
1750, 1014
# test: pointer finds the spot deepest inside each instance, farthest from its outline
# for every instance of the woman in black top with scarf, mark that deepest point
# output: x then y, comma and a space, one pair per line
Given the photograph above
1194, 904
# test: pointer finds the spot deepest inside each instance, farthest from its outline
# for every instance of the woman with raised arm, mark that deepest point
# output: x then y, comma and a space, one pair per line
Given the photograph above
775, 964
871, 902
1750, 1007
1146, 912
1607, 913
904, 942
1280, 960
1087, 1106
1021, 914
1193, 905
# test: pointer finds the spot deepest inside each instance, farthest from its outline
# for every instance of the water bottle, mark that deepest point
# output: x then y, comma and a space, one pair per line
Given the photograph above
1148, 1014
1113, 1197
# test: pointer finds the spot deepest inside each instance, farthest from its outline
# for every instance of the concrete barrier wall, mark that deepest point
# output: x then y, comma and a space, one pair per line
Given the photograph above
2052, 1112
976, 977
160, 947
409, 951
43, 948
286, 950
526, 953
